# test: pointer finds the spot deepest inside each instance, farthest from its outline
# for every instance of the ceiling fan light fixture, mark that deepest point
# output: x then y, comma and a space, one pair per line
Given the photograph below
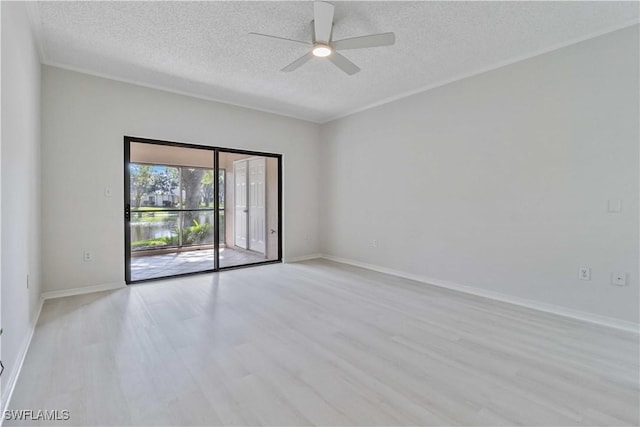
322, 50
323, 46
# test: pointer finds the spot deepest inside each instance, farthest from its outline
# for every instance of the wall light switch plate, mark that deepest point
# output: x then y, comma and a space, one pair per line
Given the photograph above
619, 279
108, 192
615, 205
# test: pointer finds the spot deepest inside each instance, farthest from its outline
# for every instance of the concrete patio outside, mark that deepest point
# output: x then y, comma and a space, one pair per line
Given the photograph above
148, 267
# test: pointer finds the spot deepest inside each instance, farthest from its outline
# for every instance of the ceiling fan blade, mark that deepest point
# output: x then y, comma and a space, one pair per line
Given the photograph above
298, 63
323, 21
280, 38
343, 63
374, 40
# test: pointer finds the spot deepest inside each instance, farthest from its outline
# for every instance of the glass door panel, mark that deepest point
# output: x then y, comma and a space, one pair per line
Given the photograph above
171, 211
251, 213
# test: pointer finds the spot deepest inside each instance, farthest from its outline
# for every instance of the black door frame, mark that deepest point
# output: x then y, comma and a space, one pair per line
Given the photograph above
216, 219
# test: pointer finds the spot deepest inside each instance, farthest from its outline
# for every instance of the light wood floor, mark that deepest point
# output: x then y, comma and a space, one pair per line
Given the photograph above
321, 343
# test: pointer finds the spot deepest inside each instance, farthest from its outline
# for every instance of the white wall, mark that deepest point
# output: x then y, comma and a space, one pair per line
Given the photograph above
500, 181
84, 119
20, 178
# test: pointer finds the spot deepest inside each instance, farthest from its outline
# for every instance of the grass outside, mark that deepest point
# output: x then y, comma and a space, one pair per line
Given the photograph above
152, 243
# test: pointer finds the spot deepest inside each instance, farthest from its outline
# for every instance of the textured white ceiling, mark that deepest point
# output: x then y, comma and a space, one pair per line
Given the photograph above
203, 48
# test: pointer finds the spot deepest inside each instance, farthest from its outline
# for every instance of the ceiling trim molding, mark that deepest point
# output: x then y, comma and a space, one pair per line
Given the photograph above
35, 22
170, 90
500, 64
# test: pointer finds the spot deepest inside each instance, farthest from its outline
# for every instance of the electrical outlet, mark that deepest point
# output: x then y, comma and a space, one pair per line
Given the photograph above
619, 278
374, 243
87, 256
584, 273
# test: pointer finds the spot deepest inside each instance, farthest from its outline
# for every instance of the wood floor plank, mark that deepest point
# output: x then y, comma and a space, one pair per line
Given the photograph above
321, 343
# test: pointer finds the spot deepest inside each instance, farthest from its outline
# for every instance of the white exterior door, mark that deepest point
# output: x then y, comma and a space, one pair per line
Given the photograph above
240, 202
257, 205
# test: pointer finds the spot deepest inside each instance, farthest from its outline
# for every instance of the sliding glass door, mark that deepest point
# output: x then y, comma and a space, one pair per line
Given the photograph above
192, 209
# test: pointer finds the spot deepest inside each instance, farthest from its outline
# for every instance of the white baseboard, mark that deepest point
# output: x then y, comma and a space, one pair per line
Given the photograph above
13, 379
83, 290
523, 302
303, 258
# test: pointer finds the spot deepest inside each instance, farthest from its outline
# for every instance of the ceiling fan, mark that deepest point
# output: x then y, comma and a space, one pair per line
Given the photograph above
322, 45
